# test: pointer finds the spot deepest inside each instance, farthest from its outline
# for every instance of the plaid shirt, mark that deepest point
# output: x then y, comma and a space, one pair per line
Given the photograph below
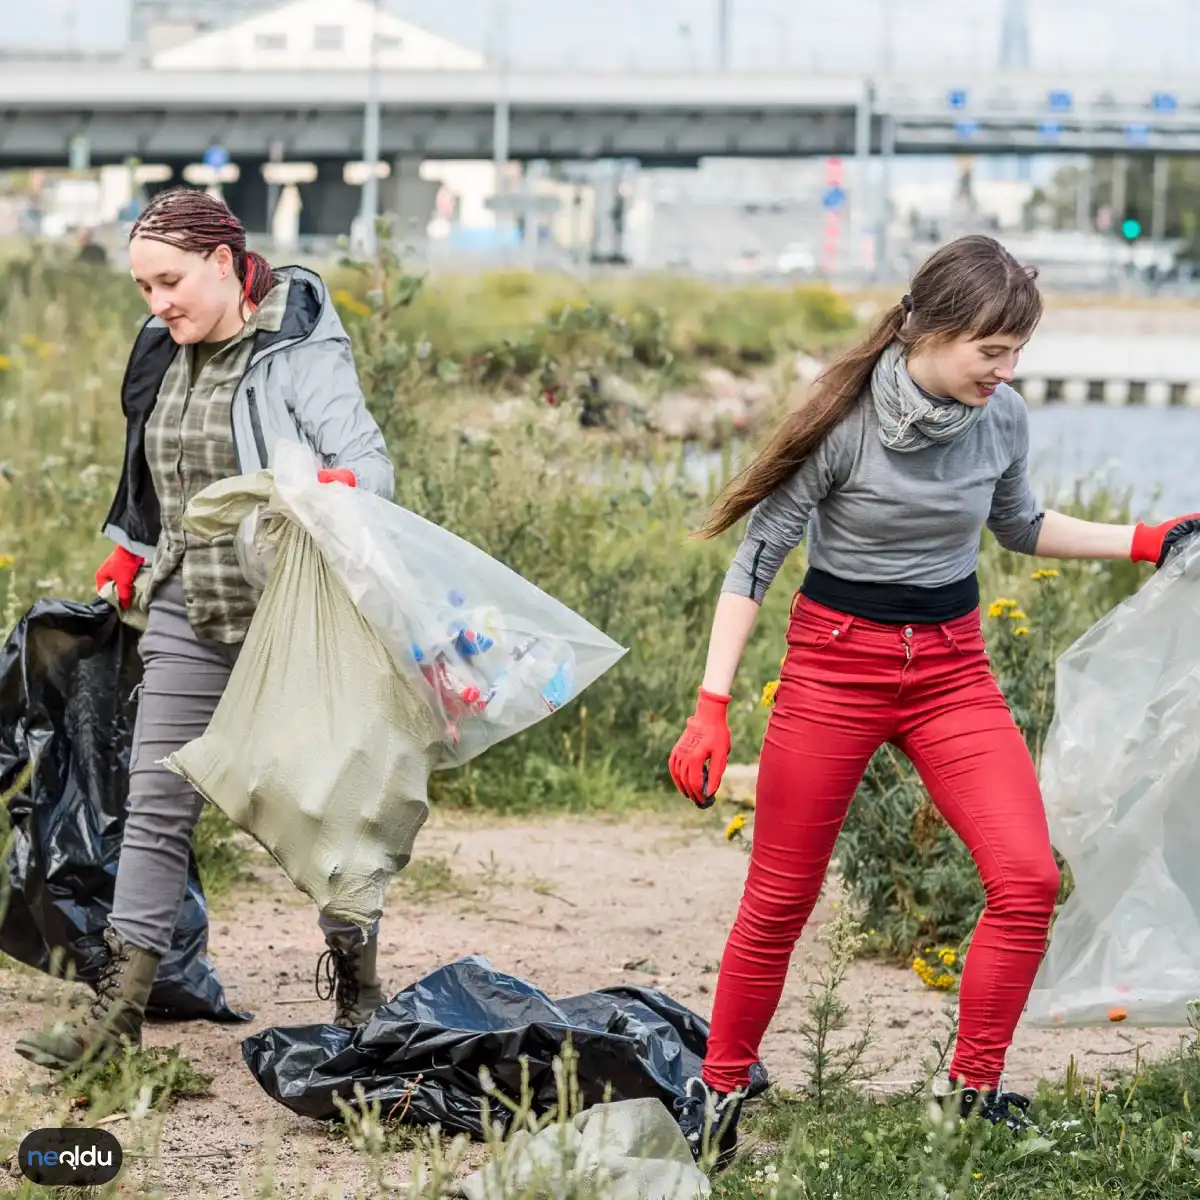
189, 445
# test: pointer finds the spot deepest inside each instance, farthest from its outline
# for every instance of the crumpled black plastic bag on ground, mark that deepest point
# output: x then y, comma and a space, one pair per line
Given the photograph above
67, 672
420, 1055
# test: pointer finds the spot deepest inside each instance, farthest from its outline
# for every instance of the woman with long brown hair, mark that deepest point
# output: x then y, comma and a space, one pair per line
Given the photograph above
234, 357
906, 448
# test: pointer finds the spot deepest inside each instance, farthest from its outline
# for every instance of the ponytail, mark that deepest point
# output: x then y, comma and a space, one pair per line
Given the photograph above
255, 274
832, 396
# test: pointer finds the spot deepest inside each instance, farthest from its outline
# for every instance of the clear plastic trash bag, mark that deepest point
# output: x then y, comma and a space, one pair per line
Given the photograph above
491, 653
1121, 780
319, 748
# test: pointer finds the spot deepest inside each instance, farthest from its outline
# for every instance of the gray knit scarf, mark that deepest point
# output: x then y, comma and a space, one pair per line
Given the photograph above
908, 418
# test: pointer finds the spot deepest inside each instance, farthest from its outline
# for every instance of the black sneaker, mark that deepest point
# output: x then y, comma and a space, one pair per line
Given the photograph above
709, 1120
997, 1107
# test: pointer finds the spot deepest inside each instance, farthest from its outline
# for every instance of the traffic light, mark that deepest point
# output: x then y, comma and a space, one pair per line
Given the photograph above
1131, 230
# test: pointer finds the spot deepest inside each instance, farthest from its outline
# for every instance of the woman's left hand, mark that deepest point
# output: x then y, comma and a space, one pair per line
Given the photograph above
337, 475
1152, 543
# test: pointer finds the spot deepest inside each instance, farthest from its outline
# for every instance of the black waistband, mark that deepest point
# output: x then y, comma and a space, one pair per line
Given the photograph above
893, 603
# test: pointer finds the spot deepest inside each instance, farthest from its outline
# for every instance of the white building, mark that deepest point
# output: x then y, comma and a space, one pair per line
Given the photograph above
327, 35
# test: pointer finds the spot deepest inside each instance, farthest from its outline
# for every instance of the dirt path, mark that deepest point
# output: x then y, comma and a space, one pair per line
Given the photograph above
569, 905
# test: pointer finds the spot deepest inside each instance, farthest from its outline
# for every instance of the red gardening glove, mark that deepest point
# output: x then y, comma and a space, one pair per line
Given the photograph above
121, 567
702, 753
337, 475
1152, 543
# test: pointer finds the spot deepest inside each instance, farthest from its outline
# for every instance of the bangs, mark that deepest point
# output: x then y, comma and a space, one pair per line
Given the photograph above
1013, 310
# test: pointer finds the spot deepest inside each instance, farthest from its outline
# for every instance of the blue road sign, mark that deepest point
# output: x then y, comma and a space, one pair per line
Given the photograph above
956, 98
1060, 100
1049, 130
1139, 135
835, 197
216, 157
966, 129
1165, 102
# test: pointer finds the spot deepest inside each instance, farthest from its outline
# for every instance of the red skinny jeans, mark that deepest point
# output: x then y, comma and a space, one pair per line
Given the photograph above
847, 687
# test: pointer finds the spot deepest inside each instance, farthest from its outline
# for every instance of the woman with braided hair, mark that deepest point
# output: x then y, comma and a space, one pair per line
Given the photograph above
234, 357
906, 448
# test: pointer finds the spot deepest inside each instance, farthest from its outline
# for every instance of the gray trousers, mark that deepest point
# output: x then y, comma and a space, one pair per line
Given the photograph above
183, 679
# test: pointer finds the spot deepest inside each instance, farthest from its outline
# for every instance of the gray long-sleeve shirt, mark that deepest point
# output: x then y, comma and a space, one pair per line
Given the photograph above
877, 516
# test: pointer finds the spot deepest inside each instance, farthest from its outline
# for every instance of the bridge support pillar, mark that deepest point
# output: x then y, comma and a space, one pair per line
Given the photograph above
409, 198
1083, 198
1158, 217
1120, 167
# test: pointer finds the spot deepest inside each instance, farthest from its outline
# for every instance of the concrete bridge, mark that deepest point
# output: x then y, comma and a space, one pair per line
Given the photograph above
656, 118
576, 115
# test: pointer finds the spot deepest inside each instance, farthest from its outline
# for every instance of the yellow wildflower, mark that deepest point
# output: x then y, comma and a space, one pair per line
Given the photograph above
5, 363
1021, 631
6, 560
929, 973
735, 827
1000, 606
1045, 573
343, 299
1017, 615
768, 693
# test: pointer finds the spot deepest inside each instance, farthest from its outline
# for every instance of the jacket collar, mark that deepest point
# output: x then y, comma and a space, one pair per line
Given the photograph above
301, 314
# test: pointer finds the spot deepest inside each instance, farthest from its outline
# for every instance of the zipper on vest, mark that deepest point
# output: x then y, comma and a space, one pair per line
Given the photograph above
260, 442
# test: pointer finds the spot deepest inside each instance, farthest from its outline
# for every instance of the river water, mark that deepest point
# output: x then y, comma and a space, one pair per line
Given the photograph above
1153, 454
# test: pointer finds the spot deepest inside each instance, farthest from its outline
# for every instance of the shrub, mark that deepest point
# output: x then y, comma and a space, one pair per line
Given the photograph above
511, 328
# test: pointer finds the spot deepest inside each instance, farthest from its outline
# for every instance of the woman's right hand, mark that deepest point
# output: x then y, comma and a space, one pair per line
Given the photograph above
121, 568
705, 740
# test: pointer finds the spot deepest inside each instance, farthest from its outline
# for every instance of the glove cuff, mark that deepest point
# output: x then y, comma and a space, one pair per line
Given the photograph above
1147, 542
120, 554
713, 702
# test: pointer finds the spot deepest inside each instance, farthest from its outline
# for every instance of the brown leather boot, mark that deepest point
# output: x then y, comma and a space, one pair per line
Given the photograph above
113, 1018
350, 978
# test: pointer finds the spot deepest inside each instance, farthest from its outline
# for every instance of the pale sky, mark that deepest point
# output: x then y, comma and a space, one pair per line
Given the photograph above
821, 35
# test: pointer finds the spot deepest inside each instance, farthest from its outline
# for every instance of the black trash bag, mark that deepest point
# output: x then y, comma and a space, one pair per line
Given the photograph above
67, 674
422, 1052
